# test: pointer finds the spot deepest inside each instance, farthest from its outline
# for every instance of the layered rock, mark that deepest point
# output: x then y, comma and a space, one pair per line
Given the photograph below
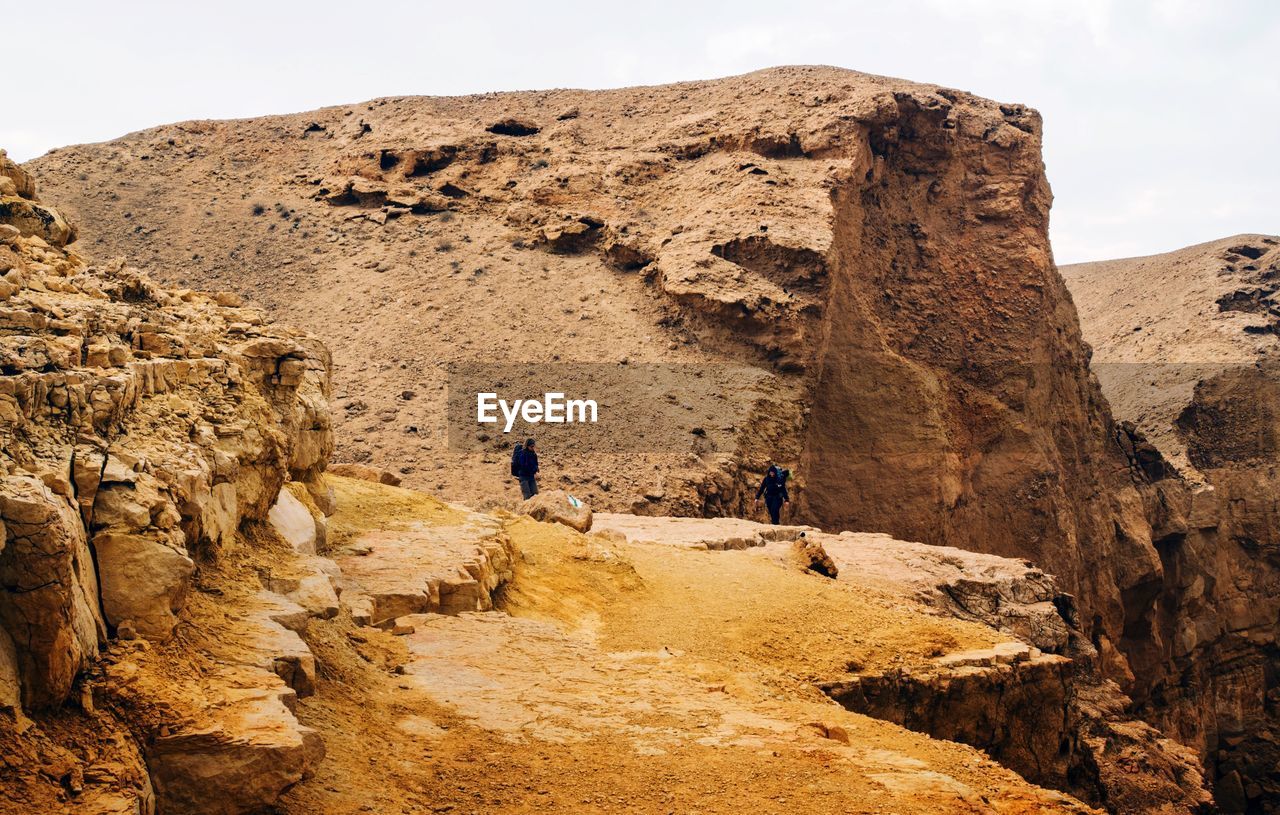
1040, 704
445, 567
238, 746
141, 428
1191, 365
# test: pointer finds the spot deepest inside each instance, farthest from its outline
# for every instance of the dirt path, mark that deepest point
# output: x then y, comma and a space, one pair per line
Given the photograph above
633, 677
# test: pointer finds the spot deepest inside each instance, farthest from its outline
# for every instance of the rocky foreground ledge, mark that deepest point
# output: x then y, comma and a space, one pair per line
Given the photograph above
143, 429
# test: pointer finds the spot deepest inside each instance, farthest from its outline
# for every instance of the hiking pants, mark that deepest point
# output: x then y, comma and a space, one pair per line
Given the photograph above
528, 486
774, 505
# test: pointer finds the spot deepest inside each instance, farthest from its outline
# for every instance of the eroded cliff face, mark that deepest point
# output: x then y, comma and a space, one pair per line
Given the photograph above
1193, 372
951, 397
874, 251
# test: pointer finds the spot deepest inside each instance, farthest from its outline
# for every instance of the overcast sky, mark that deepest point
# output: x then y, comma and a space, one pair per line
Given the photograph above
1162, 119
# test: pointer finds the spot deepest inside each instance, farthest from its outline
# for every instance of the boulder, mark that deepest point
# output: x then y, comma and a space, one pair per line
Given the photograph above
50, 607
21, 181
291, 518
559, 507
314, 591
249, 751
36, 219
814, 558
143, 580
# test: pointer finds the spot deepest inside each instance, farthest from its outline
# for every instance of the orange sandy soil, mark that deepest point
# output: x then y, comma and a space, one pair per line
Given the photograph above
640, 678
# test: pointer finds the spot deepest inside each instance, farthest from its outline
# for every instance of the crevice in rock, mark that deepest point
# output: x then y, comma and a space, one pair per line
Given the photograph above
513, 127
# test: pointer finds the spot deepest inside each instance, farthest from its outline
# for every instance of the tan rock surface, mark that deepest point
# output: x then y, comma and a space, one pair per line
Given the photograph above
435, 558
558, 506
697, 533
142, 580
53, 616
293, 521
243, 749
632, 677
124, 466
1186, 349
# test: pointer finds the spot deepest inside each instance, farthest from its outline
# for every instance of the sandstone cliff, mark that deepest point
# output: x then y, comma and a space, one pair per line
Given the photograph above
141, 428
1186, 350
867, 258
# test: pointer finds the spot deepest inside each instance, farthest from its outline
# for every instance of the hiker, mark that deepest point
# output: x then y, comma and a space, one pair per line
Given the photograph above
524, 466
774, 490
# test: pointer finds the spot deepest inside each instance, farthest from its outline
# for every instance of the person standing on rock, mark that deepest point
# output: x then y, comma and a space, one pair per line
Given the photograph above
774, 490
525, 468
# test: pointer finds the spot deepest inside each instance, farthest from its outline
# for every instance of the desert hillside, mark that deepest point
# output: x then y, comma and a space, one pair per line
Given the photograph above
1161, 324
868, 257
196, 617
846, 274
1185, 348
731, 222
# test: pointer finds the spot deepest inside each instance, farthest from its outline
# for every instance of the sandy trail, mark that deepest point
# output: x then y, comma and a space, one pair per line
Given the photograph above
619, 676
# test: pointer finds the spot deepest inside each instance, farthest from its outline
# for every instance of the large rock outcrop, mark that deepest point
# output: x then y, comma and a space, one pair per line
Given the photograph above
846, 273
1186, 350
141, 427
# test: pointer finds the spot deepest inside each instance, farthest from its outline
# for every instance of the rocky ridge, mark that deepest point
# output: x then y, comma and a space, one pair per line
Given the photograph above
1192, 372
872, 254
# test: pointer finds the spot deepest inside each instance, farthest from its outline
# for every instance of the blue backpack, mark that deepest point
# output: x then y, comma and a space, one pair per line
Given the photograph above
517, 459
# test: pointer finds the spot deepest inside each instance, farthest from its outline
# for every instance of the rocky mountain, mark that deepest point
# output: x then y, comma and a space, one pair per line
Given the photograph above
843, 273
196, 618
871, 252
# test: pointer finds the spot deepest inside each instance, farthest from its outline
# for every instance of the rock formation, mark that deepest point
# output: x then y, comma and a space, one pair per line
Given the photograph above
141, 428
847, 273
1186, 351
873, 252
560, 507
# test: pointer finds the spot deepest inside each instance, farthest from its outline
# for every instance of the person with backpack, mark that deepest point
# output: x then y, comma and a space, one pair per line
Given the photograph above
774, 490
524, 466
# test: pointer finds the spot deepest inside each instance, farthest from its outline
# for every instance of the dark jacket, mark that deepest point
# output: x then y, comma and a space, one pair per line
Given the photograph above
528, 466
773, 488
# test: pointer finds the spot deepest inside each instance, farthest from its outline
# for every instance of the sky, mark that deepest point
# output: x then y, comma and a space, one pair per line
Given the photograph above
1161, 117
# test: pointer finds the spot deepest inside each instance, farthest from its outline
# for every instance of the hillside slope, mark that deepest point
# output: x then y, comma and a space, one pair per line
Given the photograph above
843, 273
1160, 324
